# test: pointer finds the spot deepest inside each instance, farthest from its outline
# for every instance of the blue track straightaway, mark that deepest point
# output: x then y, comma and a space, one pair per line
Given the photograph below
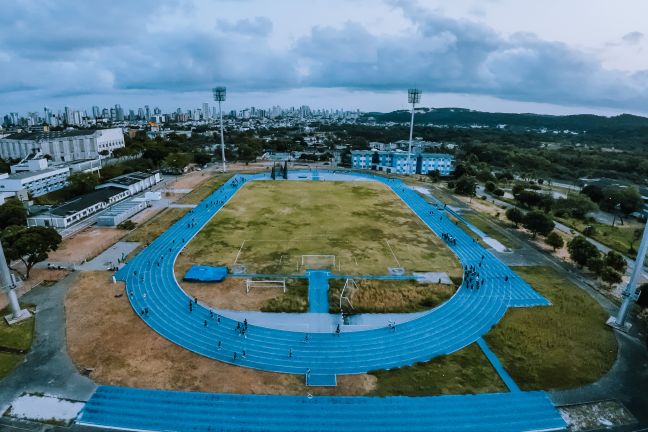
318, 287
156, 410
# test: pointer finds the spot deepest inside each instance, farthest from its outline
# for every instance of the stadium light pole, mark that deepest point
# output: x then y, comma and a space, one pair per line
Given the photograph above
630, 293
219, 96
413, 97
8, 286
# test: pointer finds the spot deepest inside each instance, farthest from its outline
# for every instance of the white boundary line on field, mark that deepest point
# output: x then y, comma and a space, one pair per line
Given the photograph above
392, 252
239, 251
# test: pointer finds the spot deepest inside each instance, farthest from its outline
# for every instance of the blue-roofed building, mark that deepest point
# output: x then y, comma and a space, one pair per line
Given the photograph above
396, 162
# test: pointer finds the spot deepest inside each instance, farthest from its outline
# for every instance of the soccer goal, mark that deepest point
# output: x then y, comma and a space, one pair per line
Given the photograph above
264, 283
348, 290
317, 262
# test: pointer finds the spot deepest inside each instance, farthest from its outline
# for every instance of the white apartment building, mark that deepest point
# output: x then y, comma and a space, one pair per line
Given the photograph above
62, 146
37, 183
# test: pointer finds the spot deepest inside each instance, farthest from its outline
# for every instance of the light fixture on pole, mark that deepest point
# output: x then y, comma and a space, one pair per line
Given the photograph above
219, 96
630, 293
413, 97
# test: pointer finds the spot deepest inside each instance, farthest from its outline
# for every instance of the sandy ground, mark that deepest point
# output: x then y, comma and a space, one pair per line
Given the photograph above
104, 333
147, 214
188, 181
36, 277
230, 294
86, 245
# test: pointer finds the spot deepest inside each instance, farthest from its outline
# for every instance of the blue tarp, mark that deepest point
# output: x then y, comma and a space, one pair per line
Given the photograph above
199, 273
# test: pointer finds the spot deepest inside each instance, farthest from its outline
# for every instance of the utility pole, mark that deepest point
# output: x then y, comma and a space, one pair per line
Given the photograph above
8, 286
630, 293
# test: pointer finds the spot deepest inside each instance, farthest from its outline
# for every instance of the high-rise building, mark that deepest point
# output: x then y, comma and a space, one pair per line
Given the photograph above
147, 111
205, 110
119, 113
96, 112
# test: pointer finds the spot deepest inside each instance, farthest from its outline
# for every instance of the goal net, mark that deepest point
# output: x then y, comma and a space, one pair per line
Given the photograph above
317, 262
279, 283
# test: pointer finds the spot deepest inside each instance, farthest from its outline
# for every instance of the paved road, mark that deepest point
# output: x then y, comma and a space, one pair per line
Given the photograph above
47, 367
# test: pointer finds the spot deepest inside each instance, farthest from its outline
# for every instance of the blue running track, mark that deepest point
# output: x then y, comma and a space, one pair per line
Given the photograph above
318, 286
156, 410
462, 320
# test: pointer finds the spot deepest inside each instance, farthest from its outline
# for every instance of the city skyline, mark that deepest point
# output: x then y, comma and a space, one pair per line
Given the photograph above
492, 56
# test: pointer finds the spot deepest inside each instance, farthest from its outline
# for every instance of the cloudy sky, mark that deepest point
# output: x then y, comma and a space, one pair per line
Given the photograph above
552, 56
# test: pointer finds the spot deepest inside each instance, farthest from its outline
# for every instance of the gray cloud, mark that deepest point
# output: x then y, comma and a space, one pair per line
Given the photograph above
633, 37
257, 26
50, 48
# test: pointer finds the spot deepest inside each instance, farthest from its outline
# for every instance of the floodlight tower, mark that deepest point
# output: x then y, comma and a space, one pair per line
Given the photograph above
219, 96
413, 97
630, 293
8, 287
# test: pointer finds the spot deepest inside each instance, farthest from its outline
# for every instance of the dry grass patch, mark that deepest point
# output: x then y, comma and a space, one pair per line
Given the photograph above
388, 296
105, 334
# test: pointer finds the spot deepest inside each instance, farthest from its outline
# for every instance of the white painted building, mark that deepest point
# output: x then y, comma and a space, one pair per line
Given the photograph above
37, 183
62, 146
134, 182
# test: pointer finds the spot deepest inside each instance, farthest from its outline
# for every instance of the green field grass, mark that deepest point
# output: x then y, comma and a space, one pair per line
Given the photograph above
561, 346
268, 226
13, 340
466, 371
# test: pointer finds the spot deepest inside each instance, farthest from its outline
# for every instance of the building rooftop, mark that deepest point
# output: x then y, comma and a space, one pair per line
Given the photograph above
50, 135
129, 179
85, 201
27, 174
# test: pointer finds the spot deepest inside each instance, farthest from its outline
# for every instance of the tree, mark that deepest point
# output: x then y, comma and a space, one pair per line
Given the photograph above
538, 223
621, 201
12, 212
81, 183
515, 215
574, 205
554, 240
611, 276
465, 185
29, 245
616, 261
434, 175
490, 186
498, 192
202, 158
596, 264
529, 198
581, 251
594, 192
176, 162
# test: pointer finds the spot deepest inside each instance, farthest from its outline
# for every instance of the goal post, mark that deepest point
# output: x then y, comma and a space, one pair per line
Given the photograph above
318, 262
264, 283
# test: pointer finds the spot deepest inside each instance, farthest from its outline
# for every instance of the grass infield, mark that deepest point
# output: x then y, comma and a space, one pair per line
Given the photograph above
268, 226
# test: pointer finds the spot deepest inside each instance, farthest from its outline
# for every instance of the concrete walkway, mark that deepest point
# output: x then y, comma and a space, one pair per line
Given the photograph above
47, 367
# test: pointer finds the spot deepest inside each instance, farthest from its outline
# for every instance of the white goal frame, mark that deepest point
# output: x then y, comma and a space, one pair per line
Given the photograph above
264, 283
333, 263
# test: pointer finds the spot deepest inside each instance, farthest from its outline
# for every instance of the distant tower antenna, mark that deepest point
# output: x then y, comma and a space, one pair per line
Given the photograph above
219, 96
413, 97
